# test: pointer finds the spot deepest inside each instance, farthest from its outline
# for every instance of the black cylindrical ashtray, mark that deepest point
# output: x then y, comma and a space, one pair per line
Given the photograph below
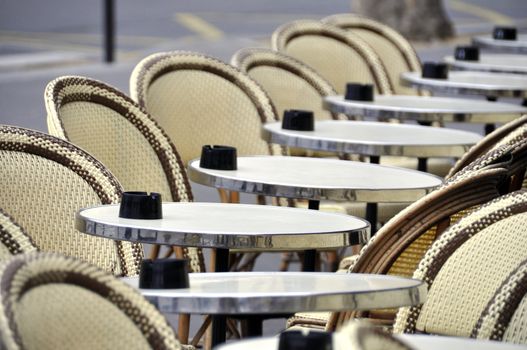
359, 92
434, 70
163, 274
504, 33
298, 340
141, 205
218, 157
297, 119
466, 53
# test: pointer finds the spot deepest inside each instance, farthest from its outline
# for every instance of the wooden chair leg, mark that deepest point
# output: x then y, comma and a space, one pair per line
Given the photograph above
154, 253
201, 331
183, 328
234, 197
224, 196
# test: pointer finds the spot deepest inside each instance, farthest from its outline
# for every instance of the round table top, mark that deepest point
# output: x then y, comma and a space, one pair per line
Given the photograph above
233, 226
417, 342
477, 83
511, 46
318, 179
498, 63
427, 109
375, 139
284, 292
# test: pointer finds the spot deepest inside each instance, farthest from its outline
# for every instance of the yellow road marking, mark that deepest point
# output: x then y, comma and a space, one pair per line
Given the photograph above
482, 12
198, 25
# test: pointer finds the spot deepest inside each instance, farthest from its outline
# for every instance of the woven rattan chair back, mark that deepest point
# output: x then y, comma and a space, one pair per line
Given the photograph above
53, 302
505, 315
339, 56
120, 134
200, 100
395, 52
13, 238
46, 181
290, 83
467, 265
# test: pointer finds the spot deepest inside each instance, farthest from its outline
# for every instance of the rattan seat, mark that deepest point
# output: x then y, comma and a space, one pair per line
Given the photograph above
46, 181
113, 128
49, 301
339, 56
13, 239
468, 266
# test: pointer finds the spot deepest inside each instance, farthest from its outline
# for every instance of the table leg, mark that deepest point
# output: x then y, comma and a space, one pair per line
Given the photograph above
222, 260
310, 255
254, 326
422, 164
219, 329
371, 208
490, 127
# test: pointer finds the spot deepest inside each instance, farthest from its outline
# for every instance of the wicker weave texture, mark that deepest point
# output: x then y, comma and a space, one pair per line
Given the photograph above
200, 100
13, 238
48, 181
395, 52
339, 56
82, 306
290, 83
453, 266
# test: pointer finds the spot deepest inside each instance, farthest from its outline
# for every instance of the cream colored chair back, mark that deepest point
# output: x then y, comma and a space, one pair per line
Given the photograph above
13, 239
200, 100
49, 301
467, 265
394, 50
113, 128
339, 56
46, 180
290, 83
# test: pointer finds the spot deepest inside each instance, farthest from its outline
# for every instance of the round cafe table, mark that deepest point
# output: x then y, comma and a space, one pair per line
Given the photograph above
416, 342
518, 46
427, 109
318, 179
255, 296
496, 63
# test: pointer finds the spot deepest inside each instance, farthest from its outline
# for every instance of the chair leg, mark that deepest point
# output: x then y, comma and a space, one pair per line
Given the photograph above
201, 331
154, 253
183, 328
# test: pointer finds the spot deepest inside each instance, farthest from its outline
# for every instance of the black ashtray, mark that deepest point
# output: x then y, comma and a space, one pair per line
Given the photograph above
466, 53
296, 119
504, 33
434, 70
218, 157
141, 205
163, 274
297, 340
359, 92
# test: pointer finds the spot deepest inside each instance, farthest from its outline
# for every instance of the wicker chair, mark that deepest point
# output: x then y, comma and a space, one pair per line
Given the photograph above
394, 50
46, 180
504, 317
113, 128
200, 100
13, 239
339, 56
49, 301
477, 256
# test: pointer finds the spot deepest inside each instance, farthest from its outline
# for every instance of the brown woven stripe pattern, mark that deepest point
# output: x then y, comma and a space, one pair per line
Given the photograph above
504, 317
201, 100
395, 52
290, 83
455, 236
49, 179
129, 318
13, 238
337, 55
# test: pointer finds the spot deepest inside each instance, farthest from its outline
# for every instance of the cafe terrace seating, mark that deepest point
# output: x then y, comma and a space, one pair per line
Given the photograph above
48, 180
394, 50
49, 301
13, 238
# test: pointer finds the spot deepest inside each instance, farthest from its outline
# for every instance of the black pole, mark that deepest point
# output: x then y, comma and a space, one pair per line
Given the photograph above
109, 30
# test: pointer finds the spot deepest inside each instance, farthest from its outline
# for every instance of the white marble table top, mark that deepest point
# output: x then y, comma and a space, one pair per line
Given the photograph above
284, 292
417, 342
427, 109
511, 46
466, 82
498, 63
375, 139
318, 179
220, 225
